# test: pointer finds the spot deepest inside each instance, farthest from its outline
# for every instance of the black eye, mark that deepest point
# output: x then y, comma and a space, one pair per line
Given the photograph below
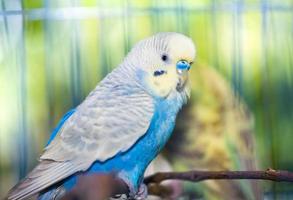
164, 57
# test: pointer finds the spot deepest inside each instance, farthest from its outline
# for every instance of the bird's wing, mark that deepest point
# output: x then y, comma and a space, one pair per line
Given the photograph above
109, 121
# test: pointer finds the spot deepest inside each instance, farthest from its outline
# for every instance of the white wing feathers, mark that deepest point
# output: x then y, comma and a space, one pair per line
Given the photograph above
103, 126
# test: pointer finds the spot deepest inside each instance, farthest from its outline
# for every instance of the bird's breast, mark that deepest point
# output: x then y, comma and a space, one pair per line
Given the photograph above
132, 163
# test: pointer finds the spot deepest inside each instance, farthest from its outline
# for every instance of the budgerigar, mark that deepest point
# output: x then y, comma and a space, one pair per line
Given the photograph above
122, 125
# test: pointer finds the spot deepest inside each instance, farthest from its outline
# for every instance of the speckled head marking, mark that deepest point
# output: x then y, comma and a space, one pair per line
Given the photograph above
162, 62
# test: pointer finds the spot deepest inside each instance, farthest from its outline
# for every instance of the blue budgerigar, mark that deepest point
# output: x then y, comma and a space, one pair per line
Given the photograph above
123, 123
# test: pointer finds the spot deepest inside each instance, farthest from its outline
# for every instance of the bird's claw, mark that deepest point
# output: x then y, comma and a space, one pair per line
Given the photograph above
142, 192
135, 193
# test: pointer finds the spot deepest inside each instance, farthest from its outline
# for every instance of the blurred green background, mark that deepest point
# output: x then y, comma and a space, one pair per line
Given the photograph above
52, 53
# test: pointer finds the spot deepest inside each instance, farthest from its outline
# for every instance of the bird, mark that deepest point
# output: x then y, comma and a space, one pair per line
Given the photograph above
122, 125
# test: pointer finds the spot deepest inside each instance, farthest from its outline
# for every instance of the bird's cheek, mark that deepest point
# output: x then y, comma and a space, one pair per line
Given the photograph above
161, 86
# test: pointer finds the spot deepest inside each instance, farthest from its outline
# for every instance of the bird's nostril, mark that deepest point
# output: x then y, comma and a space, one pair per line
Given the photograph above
183, 64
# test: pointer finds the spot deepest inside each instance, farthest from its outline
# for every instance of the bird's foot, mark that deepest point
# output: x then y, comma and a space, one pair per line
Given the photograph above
138, 194
142, 192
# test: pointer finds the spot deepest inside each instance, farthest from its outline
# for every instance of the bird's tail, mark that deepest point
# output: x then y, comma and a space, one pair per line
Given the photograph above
42, 176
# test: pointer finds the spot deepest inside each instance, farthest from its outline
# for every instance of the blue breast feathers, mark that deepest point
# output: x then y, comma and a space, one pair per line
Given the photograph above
131, 165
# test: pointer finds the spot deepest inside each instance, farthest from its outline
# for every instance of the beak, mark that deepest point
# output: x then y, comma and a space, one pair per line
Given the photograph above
182, 68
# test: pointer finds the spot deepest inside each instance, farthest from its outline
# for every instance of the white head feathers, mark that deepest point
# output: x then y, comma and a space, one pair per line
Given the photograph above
155, 62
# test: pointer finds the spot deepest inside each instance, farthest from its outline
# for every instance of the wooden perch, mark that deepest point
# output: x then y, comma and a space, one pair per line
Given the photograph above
102, 186
196, 176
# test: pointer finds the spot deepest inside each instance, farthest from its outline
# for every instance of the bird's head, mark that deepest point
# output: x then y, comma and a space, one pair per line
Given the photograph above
162, 62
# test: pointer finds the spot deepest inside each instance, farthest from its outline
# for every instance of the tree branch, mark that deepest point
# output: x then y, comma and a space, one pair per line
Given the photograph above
103, 186
196, 176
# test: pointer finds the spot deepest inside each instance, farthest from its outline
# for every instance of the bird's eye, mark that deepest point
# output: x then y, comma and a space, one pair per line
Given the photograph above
164, 57
191, 63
